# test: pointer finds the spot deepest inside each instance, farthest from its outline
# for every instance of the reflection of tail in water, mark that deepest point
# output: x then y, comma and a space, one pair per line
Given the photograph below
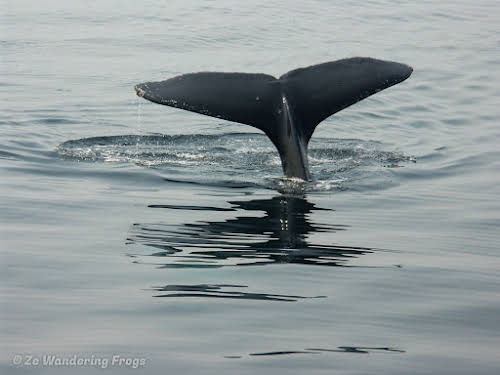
278, 237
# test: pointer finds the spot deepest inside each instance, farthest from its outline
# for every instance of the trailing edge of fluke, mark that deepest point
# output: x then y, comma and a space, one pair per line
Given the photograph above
287, 109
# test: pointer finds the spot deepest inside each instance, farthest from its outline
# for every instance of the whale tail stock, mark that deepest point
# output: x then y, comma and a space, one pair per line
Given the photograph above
287, 109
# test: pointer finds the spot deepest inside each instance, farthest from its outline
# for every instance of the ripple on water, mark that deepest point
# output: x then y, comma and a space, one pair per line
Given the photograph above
224, 291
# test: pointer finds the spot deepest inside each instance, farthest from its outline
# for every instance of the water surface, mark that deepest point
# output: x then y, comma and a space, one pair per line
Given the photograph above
143, 231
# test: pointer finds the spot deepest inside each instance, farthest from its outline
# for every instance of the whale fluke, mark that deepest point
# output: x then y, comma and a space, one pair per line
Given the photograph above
287, 109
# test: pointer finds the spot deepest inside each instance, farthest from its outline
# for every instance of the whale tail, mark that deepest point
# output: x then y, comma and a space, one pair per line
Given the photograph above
287, 109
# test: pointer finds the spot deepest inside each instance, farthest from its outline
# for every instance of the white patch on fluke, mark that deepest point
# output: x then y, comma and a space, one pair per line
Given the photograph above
140, 92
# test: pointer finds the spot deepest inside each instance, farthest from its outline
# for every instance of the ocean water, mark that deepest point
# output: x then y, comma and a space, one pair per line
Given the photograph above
145, 239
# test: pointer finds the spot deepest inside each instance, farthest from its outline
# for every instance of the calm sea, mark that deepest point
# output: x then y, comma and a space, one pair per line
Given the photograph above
137, 238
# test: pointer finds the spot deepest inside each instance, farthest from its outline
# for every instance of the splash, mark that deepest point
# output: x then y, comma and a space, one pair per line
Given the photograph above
243, 159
